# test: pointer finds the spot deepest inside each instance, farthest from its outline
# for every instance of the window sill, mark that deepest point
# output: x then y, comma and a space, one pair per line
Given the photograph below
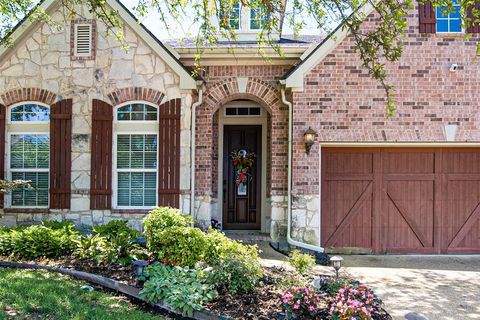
26, 210
131, 211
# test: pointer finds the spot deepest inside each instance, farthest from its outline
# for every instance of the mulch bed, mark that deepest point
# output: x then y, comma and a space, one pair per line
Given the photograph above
262, 304
123, 274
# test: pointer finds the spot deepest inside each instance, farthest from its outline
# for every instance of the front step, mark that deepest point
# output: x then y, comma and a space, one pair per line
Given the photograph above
247, 236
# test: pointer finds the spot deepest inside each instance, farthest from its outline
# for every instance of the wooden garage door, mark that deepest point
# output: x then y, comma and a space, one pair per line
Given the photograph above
422, 200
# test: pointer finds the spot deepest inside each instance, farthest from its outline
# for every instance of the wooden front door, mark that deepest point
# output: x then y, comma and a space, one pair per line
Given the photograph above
418, 200
242, 201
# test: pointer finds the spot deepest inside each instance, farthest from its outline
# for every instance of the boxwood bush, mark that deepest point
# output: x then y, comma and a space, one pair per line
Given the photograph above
161, 218
236, 267
182, 246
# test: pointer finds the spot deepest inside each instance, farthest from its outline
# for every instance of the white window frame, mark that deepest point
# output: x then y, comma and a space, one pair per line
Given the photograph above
10, 170
116, 170
115, 116
90, 51
15, 123
250, 20
131, 127
242, 115
240, 14
462, 30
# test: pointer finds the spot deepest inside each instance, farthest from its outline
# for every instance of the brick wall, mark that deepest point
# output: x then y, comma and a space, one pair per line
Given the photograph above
342, 103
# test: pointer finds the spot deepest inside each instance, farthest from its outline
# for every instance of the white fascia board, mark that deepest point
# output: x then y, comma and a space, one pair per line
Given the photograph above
296, 78
186, 80
25, 26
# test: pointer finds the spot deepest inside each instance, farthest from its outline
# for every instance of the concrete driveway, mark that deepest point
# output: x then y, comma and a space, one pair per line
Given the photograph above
422, 287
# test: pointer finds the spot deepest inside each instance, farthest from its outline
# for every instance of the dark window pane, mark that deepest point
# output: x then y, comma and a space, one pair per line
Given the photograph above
243, 111
254, 111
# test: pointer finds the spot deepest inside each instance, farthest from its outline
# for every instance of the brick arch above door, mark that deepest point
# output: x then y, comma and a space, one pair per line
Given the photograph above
228, 90
28, 94
217, 95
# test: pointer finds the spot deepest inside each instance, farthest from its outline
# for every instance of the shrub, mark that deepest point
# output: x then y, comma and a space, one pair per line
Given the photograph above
182, 246
184, 289
302, 303
40, 241
353, 303
236, 267
302, 262
114, 228
66, 232
162, 218
6, 241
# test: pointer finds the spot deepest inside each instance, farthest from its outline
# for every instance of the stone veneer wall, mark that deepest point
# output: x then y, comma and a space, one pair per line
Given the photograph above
43, 61
341, 103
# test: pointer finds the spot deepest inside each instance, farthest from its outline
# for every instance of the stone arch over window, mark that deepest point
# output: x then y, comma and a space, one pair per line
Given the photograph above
207, 133
28, 94
121, 96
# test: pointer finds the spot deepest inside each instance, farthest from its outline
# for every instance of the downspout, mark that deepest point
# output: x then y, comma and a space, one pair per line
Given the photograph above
289, 190
192, 146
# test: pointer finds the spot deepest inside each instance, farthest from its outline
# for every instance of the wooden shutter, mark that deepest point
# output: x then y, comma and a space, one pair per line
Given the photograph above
169, 154
426, 16
3, 115
60, 154
474, 27
101, 158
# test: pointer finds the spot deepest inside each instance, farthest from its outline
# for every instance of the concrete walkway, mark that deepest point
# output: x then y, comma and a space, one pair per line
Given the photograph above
413, 286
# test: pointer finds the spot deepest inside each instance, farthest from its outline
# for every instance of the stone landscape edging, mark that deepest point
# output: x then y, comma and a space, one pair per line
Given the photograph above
105, 282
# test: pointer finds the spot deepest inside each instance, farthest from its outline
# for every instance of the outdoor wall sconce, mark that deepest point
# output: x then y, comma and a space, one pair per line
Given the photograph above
336, 263
309, 139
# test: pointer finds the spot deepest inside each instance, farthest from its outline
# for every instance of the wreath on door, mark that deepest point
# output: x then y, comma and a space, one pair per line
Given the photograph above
243, 162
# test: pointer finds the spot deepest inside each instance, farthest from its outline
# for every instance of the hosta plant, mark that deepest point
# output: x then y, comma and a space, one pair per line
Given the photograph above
185, 289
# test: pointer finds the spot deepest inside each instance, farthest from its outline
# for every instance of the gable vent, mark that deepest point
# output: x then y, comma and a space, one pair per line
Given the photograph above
83, 40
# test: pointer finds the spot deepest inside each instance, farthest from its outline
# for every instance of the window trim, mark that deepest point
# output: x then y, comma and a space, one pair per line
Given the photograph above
462, 29
250, 20
8, 144
240, 10
115, 111
242, 115
115, 170
9, 113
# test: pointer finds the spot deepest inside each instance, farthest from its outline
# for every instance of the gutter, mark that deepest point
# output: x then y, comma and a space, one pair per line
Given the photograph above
289, 190
192, 146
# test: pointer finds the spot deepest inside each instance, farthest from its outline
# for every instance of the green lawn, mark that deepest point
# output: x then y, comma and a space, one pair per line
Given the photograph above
44, 295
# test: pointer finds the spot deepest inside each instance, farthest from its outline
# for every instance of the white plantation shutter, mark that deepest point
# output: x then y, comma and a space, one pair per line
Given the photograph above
83, 40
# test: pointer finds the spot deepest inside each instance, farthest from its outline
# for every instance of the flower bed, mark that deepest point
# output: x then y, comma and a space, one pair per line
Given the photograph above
192, 270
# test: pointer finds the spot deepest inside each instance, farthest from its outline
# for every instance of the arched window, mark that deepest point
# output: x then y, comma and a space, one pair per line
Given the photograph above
137, 112
29, 153
135, 155
30, 112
